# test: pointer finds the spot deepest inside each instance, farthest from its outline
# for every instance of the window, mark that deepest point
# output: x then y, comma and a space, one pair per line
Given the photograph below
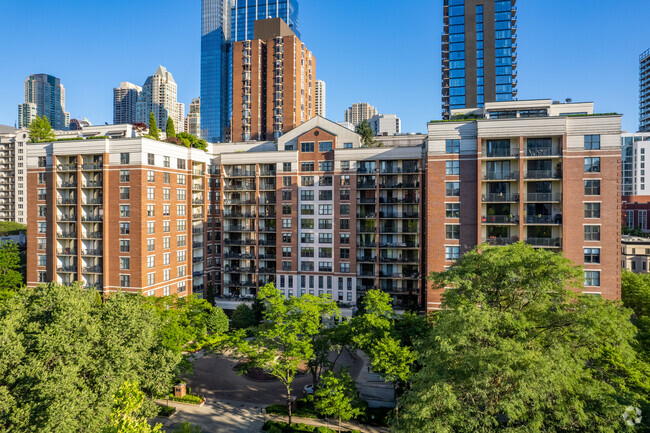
345, 194
344, 224
307, 166
592, 187
151, 244
286, 266
324, 146
286, 238
306, 223
592, 142
345, 268
151, 227
180, 256
592, 278
345, 180
307, 209
125, 280
286, 209
592, 165
452, 168
344, 209
325, 238
181, 240
180, 164
180, 271
151, 176
166, 161
452, 189
124, 228
151, 210
306, 266
347, 145
325, 253
345, 165
181, 210
325, 266
324, 209
325, 165
307, 195
452, 210
286, 195
307, 180
125, 175
42, 177
325, 195
42, 260
166, 211
42, 243
124, 211
592, 210
124, 192
166, 242
592, 233
286, 181
42, 227
151, 261
325, 224
286, 223
181, 194
151, 279
286, 166
344, 238
452, 253
592, 255
307, 147
307, 238
180, 179
286, 252
306, 252
452, 146
181, 287
42, 161
124, 158
452, 231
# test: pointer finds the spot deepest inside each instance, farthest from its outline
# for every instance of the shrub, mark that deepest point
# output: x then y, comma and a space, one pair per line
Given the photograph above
187, 398
275, 429
166, 411
323, 430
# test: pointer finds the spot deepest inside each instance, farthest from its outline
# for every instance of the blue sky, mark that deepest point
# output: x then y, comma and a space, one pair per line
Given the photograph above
383, 52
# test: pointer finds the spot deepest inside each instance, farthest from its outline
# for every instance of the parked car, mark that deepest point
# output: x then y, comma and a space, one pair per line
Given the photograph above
308, 389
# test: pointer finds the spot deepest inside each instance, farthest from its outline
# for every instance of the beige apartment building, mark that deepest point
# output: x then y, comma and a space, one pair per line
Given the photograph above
358, 112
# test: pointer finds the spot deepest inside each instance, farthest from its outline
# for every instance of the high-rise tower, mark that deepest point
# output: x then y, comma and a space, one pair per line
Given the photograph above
246, 12
644, 91
320, 101
44, 96
125, 103
215, 73
158, 96
479, 53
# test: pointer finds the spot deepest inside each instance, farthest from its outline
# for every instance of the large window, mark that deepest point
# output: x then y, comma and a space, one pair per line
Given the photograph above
592, 210
452, 253
324, 146
307, 147
452, 210
452, 168
592, 233
592, 255
592, 278
452, 146
452, 189
592, 187
452, 231
592, 165
592, 142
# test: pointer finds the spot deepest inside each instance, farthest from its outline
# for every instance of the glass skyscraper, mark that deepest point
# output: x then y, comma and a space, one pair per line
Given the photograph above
222, 23
245, 12
479, 53
644, 91
215, 74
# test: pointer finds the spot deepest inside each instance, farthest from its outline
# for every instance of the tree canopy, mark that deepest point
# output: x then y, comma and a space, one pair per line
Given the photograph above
514, 349
128, 401
40, 130
189, 140
170, 131
10, 276
243, 317
154, 132
337, 396
64, 354
366, 133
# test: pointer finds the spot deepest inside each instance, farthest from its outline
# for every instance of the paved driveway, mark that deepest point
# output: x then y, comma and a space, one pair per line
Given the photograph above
216, 416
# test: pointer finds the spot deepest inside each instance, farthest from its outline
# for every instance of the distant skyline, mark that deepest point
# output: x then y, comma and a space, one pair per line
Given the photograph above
588, 52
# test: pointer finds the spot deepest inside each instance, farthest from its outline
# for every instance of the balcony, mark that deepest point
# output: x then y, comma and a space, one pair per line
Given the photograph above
239, 187
500, 175
92, 184
66, 201
69, 217
366, 185
511, 152
197, 187
543, 174
67, 185
66, 235
544, 242
500, 198
92, 218
367, 200
91, 252
92, 166
66, 252
413, 260
542, 151
366, 259
399, 185
544, 219
92, 235
67, 268
500, 219
96, 269
540, 197
495, 240
92, 201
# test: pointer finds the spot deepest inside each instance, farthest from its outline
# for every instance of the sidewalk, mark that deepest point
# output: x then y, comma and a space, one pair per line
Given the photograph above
331, 423
372, 387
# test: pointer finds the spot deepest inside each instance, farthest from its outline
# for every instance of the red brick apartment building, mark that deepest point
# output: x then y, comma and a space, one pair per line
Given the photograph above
315, 212
273, 84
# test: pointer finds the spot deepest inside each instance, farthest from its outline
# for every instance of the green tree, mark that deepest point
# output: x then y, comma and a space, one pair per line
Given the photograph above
40, 130
366, 133
337, 396
635, 292
10, 266
190, 140
64, 354
375, 320
283, 340
243, 317
8, 228
127, 402
154, 133
515, 349
186, 427
169, 128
